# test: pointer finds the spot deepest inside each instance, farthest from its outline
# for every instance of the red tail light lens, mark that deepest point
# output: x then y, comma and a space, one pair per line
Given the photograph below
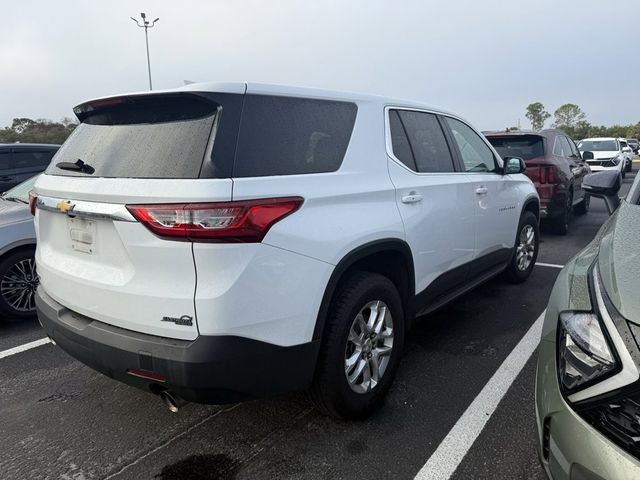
548, 175
244, 221
33, 202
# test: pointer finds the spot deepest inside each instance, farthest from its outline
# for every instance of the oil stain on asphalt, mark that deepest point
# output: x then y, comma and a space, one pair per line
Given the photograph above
201, 467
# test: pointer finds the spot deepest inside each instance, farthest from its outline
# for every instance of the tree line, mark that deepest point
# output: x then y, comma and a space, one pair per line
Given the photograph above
26, 130
570, 118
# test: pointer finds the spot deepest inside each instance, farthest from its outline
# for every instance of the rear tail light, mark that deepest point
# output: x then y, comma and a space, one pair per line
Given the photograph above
33, 202
548, 175
243, 221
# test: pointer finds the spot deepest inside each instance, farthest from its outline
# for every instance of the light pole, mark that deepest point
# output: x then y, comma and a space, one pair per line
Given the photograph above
146, 24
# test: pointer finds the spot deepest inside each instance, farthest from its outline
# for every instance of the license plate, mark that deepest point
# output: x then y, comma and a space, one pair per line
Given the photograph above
83, 234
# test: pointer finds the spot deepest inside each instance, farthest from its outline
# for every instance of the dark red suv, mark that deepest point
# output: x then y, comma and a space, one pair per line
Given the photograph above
555, 166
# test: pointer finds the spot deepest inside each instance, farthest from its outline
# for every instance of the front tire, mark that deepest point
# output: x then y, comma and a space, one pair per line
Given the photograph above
364, 337
18, 284
526, 248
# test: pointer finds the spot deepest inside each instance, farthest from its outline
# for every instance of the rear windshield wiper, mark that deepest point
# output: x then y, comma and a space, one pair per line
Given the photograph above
78, 166
14, 199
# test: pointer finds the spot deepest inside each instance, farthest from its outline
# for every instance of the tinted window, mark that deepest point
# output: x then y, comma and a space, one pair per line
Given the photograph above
31, 159
526, 147
400, 142
572, 146
288, 136
598, 146
21, 191
561, 147
4, 160
428, 144
146, 137
476, 154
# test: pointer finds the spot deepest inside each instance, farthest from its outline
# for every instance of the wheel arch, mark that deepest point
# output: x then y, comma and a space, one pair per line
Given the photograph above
395, 261
17, 245
531, 204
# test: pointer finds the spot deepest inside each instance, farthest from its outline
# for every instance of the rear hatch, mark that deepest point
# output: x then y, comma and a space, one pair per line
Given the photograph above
93, 256
531, 148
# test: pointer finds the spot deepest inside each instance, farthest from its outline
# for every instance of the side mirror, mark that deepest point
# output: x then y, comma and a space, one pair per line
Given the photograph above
627, 149
587, 156
605, 185
514, 165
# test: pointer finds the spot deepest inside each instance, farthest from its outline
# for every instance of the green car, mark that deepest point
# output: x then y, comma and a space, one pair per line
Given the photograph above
587, 382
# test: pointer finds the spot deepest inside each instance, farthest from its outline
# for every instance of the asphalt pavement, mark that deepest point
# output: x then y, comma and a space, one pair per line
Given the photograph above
61, 420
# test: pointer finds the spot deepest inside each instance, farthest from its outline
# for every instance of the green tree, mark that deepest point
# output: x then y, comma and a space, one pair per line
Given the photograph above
537, 115
568, 115
26, 130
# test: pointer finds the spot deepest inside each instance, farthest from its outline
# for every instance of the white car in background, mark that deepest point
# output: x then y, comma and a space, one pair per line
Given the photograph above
604, 153
627, 151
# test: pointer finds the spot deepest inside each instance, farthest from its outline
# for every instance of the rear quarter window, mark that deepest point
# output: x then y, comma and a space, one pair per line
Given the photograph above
291, 136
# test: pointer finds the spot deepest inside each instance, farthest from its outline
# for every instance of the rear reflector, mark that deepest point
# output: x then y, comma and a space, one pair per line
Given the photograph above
148, 375
243, 221
33, 202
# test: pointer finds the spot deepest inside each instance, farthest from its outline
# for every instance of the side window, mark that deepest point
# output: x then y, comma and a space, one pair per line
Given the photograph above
573, 150
476, 154
290, 136
5, 158
426, 150
31, 159
399, 141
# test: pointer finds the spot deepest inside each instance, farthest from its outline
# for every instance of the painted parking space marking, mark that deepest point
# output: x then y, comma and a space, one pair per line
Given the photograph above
452, 450
24, 347
550, 265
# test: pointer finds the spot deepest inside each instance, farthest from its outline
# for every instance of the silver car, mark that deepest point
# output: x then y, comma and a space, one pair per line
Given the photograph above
18, 278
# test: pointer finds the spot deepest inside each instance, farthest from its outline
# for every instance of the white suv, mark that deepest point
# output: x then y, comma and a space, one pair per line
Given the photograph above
606, 153
220, 242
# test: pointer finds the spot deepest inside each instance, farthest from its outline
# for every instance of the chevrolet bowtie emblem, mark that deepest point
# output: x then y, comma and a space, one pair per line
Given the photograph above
65, 206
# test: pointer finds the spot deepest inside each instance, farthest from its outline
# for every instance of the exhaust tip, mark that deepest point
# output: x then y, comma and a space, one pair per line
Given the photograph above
173, 402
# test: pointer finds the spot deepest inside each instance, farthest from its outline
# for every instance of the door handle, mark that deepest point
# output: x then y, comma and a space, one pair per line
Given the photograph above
413, 197
482, 190
5, 178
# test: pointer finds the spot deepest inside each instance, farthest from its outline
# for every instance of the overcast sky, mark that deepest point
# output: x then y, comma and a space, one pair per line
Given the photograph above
484, 59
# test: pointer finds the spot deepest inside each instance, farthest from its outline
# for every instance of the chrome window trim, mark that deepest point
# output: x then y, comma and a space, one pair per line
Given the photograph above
84, 209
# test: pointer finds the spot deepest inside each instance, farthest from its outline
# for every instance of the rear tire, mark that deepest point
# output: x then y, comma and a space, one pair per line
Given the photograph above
583, 207
348, 347
561, 224
18, 283
525, 252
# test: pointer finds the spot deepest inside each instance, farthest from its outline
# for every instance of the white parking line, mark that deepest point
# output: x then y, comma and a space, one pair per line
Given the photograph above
550, 265
24, 348
452, 450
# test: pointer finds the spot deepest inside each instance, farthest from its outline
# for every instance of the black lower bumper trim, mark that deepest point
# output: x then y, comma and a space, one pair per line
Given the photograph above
209, 369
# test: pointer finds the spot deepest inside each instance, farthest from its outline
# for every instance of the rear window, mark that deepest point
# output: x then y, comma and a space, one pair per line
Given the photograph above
155, 136
289, 136
526, 147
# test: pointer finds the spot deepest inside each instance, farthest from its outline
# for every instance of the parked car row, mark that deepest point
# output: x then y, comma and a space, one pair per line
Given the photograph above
223, 242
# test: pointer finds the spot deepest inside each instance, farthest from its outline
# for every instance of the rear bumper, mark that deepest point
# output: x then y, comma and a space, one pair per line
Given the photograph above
209, 369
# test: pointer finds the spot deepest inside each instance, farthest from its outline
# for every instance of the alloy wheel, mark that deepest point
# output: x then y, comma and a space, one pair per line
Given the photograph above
526, 247
19, 285
369, 347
